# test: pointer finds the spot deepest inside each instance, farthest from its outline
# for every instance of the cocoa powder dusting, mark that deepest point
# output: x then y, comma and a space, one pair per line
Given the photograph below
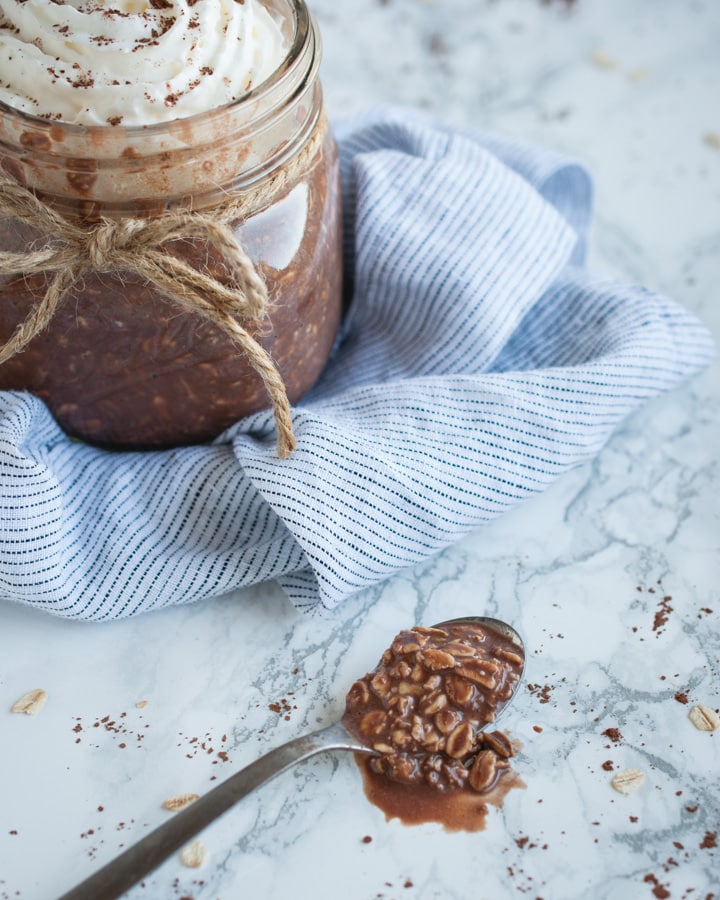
662, 614
613, 734
658, 890
542, 692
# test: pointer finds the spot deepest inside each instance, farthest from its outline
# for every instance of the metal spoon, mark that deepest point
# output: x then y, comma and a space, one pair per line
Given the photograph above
119, 875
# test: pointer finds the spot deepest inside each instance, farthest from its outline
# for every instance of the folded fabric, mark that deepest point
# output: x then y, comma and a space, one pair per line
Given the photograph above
477, 363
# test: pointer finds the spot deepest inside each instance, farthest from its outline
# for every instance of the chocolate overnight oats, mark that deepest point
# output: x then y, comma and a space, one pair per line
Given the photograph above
428, 710
145, 181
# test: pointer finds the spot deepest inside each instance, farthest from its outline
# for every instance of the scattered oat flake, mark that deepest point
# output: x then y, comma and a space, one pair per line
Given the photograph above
141, 704
704, 718
193, 855
31, 703
712, 139
180, 801
603, 60
628, 781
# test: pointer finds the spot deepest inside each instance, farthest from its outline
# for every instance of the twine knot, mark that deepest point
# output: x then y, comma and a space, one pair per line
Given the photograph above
106, 241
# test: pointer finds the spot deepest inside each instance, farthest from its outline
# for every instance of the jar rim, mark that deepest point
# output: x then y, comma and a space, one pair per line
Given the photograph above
303, 23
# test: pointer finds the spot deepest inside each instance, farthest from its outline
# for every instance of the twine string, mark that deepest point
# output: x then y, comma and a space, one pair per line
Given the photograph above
140, 246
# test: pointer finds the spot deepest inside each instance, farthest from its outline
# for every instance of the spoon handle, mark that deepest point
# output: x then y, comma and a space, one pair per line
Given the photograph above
119, 875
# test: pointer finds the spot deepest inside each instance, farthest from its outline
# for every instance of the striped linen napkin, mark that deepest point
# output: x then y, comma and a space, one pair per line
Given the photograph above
478, 362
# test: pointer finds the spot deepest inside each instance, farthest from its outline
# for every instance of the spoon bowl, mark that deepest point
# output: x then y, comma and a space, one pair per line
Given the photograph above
133, 864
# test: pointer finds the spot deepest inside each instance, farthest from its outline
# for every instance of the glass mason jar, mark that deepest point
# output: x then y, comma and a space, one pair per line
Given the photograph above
121, 366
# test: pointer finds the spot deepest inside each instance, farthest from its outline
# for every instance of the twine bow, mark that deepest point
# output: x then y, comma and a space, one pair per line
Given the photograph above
138, 246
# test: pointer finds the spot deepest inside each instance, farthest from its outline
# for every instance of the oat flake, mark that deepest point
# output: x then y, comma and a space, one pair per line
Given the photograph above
31, 703
704, 718
193, 855
180, 801
628, 781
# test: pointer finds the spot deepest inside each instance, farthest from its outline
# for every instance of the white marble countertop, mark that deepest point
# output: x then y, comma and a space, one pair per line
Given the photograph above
585, 571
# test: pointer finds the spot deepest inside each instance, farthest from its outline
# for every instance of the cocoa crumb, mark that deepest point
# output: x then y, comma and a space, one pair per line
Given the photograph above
282, 707
681, 697
608, 765
85, 80
613, 734
438, 46
541, 691
709, 842
367, 839
662, 614
659, 891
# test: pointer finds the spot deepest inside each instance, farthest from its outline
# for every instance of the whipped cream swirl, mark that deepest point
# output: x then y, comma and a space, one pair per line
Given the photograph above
133, 62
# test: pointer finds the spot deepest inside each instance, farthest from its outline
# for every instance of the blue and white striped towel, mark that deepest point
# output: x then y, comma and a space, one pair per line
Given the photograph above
478, 362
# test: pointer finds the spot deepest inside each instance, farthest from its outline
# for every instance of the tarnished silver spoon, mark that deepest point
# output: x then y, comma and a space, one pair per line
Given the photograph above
126, 870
